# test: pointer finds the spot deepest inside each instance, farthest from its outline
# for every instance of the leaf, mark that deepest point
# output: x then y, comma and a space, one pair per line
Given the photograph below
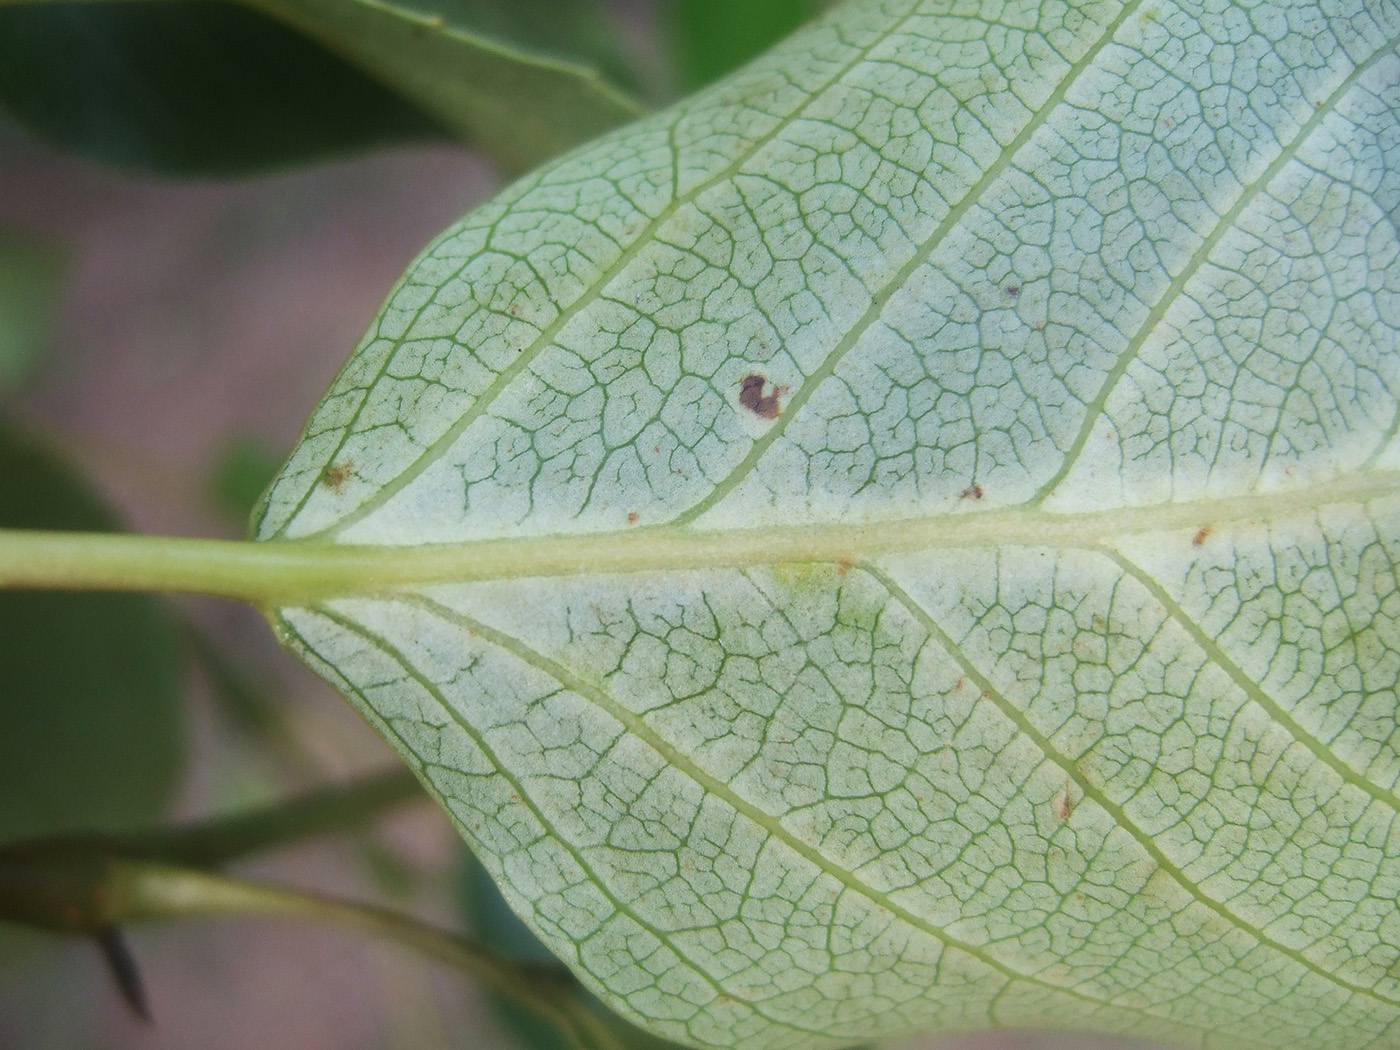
907, 539
243, 470
494, 926
522, 108
89, 684
579, 31
166, 87
712, 37
31, 278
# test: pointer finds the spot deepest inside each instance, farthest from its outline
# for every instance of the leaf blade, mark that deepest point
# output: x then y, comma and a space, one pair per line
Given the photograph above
970, 441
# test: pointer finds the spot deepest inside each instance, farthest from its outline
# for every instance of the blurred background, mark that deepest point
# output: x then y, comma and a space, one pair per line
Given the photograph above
200, 212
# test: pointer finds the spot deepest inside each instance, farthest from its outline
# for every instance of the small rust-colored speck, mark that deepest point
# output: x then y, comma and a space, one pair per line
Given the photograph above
514, 310
971, 492
1013, 290
1200, 536
1064, 803
631, 517
843, 566
751, 396
336, 475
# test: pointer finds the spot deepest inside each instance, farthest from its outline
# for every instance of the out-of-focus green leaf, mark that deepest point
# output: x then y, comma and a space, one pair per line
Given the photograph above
520, 107
89, 684
30, 278
245, 468
188, 88
577, 30
711, 37
210, 87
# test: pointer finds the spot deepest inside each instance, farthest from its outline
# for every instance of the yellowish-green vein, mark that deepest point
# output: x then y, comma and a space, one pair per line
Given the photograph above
1096, 795
639, 728
643, 238
881, 296
519, 790
1253, 689
295, 572
1223, 225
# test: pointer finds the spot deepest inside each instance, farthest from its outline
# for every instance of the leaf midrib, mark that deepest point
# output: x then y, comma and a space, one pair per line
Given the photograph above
375, 568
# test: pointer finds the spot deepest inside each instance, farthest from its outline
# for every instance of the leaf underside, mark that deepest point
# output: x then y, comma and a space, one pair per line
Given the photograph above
986, 415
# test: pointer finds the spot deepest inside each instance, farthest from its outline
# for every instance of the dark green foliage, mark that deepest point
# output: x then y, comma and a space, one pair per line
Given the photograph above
188, 89
89, 684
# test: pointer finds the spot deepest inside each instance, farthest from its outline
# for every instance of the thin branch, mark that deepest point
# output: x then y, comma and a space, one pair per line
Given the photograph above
77, 888
215, 842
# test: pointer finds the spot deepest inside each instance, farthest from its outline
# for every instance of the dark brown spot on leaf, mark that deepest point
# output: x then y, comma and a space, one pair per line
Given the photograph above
752, 397
1200, 536
336, 475
632, 517
1064, 803
971, 492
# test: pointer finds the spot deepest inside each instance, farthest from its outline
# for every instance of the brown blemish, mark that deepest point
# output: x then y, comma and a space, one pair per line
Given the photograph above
1064, 803
751, 396
843, 566
632, 517
1200, 537
1013, 290
971, 492
336, 475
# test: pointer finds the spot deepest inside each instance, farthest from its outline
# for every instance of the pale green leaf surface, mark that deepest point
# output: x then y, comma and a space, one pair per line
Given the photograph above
1036, 664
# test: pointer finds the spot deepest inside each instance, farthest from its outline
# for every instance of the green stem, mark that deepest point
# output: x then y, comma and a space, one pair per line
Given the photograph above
85, 561
215, 842
294, 572
79, 889
163, 892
